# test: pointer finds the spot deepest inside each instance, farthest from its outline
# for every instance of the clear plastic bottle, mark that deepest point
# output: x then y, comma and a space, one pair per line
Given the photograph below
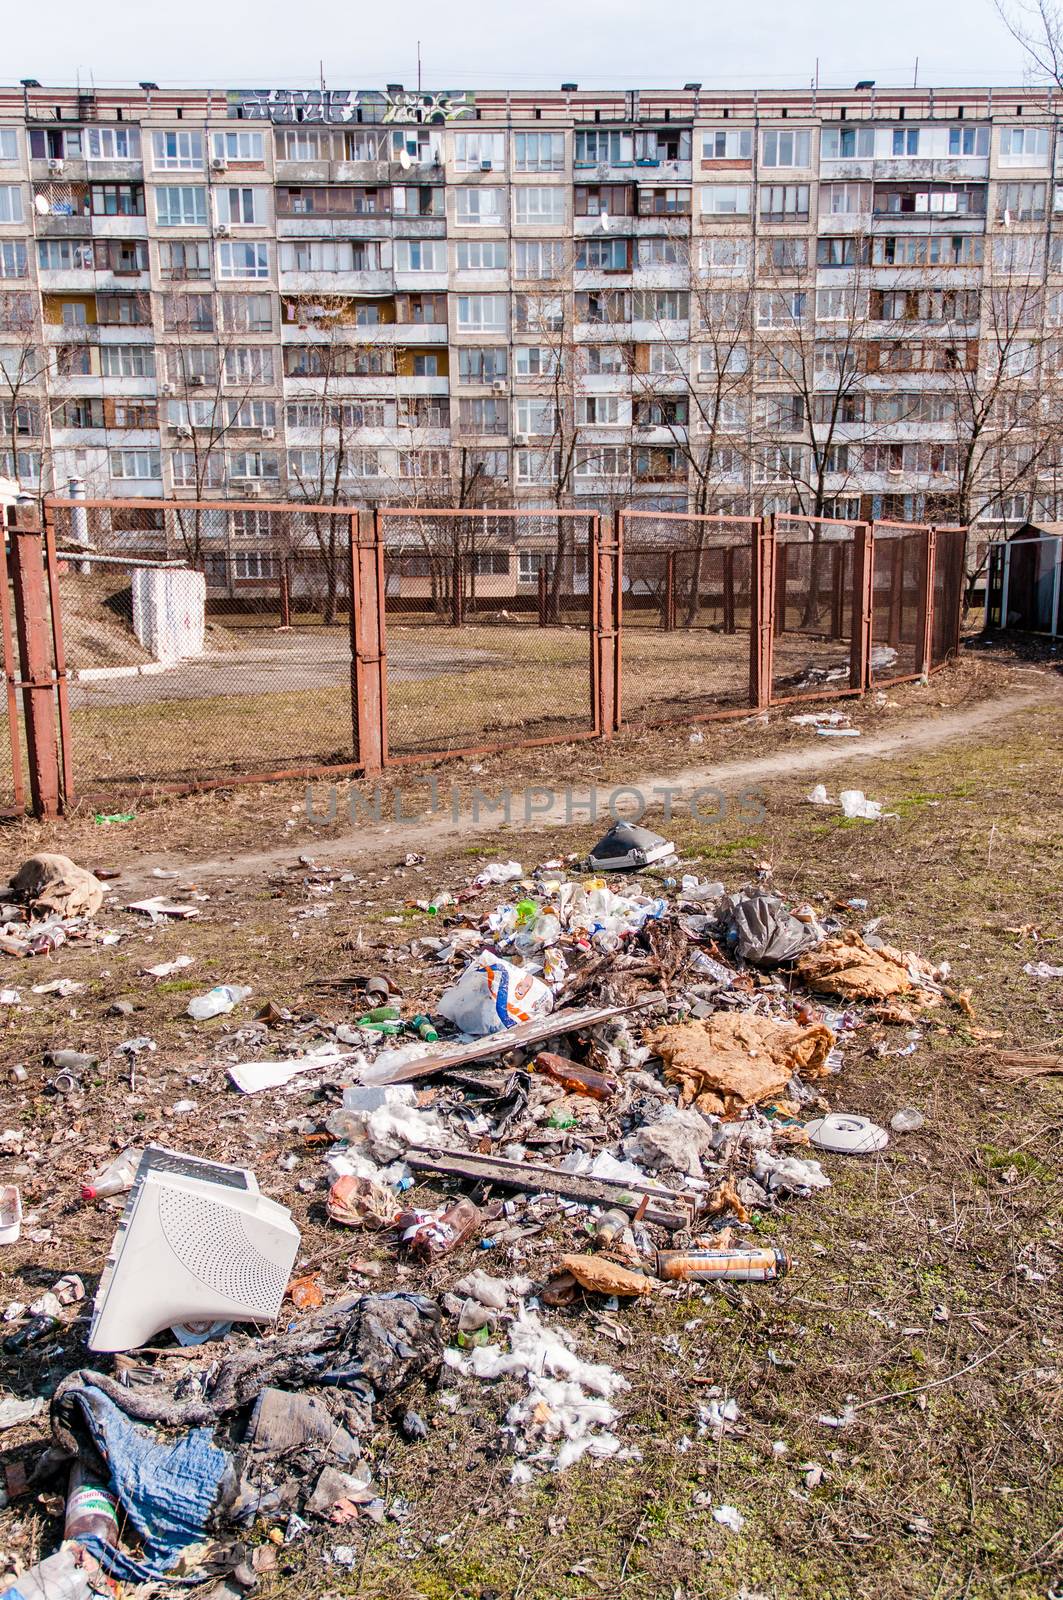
65, 1576
217, 1001
115, 1178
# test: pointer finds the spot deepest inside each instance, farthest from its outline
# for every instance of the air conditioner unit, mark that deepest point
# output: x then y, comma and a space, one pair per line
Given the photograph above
485, 166
196, 1243
197, 381
56, 164
183, 431
253, 489
269, 433
520, 438
219, 164
603, 169
221, 230
500, 386
166, 388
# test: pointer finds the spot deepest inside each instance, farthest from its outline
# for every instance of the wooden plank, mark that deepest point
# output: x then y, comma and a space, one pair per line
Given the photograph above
498, 1044
665, 1207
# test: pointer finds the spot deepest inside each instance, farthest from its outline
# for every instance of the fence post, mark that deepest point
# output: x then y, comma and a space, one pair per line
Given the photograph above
456, 597
668, 622
762, 612
542, 594
863, 600
38, 684
62, 697
286, 593
782, 577
368, 649
837, 592
605, 624
927, 582
728, 591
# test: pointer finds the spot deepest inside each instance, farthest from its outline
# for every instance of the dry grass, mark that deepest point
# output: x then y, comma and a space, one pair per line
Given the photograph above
927, 1282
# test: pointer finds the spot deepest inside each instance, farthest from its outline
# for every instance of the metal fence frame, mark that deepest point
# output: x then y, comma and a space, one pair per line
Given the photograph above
35, 621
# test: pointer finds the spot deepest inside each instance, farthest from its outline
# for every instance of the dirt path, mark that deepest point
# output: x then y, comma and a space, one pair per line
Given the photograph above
436, 834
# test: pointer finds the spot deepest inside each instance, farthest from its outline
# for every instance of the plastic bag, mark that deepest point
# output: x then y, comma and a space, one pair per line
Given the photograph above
491, 995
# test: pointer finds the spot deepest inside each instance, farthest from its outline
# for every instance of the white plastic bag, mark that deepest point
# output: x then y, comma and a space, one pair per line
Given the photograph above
491, 995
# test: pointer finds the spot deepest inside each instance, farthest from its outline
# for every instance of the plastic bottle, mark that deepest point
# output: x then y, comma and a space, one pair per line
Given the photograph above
90, 1510
424, 1028
379, 1014
217, 1001
429, 1236
610, 1226
65, 1576
703, 1266
574, 1077
116, 1178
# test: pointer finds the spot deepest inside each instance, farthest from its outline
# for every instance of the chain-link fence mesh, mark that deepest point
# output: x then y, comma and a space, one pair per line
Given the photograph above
686, 614
898, 601
489, 627
950, 571
268, 683
12, 733
814, 572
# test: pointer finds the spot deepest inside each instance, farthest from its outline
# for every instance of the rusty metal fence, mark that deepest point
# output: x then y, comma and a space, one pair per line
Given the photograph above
334, 639
492, 619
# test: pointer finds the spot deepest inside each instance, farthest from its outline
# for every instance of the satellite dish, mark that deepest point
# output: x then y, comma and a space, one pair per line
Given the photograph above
404, 159
603, 221
41, 205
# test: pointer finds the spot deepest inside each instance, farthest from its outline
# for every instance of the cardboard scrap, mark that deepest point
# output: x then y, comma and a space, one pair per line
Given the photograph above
602, 1276
361, 1203
731, 1059
845, 966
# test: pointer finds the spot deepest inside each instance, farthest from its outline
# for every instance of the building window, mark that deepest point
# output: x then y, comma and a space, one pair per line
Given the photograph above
539, 313
111, 144
784, 202
602, 461
254, 464
479, 207
481, 313
426, 364
239, 208
246, 313
135, 464
180, 206
10, 204
535, 417
905, 142
840, 252
603, 255
486, 415
536, 361
968, 141
539, 152
179, 151
721, 253
847, 144
8, 147
783, 255
725, 200
660, 305
1020, 202
127, 361
192, 470
600, 411
65, 255
727, 144
480, 255
612, 147
844, 199
188, 313
785, 148
1023, 147
240, 145
479, 152
12, 259
661, 252
248, 364
538, 205
239, 260
187, 259
539, 258
420, 255
482, 365
784, 309
604, 199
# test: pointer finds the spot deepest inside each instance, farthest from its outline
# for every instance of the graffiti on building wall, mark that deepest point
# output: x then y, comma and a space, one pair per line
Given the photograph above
347, 105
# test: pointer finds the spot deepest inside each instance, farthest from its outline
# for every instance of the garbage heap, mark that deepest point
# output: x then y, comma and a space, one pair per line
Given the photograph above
626, 1072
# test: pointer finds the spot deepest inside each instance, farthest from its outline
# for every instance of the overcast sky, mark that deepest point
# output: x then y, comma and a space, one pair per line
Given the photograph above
534, 44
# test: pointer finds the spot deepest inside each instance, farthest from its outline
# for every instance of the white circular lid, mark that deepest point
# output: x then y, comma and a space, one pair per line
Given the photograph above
845, 1133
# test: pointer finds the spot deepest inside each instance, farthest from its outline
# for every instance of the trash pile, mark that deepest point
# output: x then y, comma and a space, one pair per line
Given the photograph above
624, 1069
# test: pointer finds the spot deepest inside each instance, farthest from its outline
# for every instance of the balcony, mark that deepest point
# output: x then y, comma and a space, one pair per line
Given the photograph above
960, 169
380, 281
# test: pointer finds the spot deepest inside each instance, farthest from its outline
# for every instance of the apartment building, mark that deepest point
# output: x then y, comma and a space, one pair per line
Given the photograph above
845, 303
